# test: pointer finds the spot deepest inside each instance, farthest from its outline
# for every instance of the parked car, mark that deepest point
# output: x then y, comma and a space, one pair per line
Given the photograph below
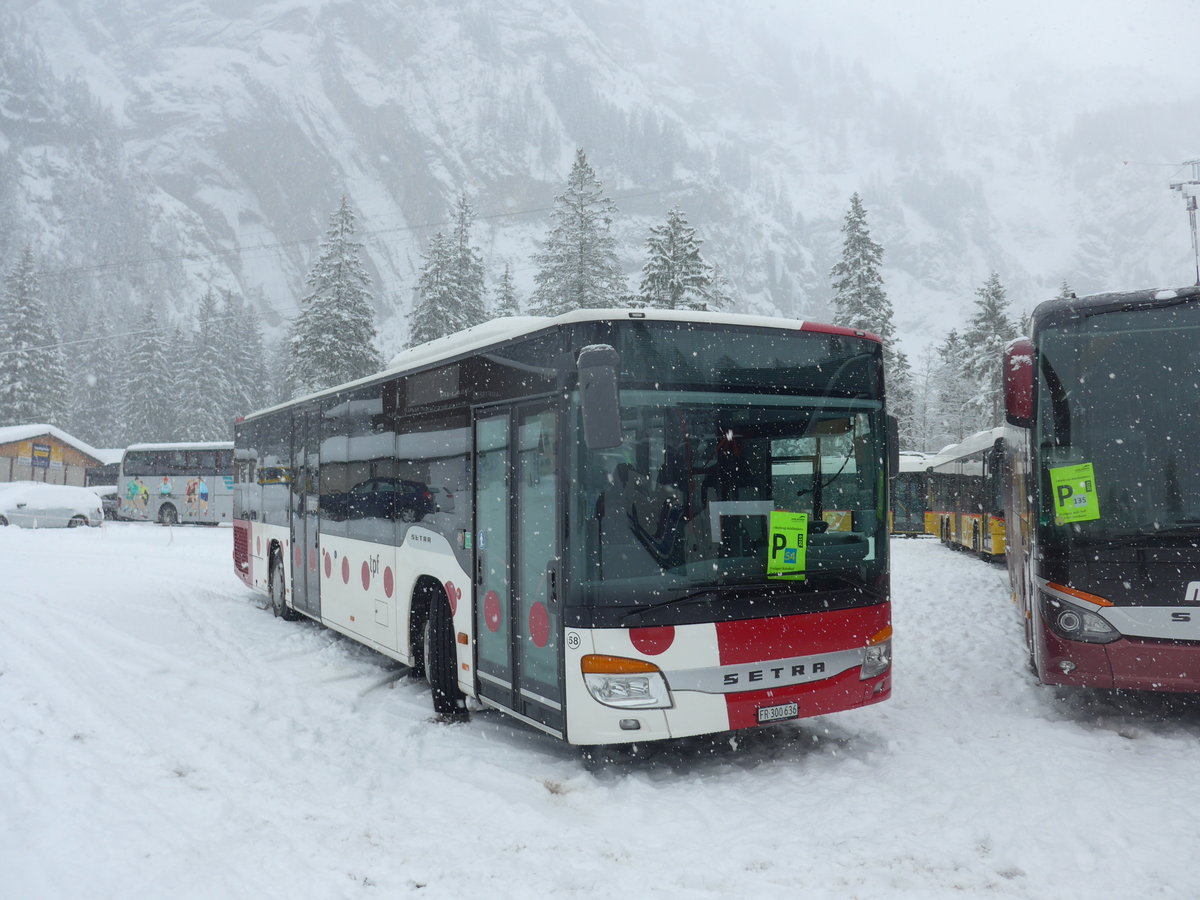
110, 499
443, 498
32, 504
380, 498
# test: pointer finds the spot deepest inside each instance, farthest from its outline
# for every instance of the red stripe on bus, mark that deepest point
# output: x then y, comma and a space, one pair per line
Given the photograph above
761, 640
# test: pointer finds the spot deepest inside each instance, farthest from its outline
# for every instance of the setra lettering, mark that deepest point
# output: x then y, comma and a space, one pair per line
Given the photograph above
776, 673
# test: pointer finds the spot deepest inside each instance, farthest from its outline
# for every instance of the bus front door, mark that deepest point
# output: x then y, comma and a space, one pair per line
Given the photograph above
517, 486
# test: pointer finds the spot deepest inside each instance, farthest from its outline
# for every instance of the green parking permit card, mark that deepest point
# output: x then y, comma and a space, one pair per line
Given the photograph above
1075, 497
788, 551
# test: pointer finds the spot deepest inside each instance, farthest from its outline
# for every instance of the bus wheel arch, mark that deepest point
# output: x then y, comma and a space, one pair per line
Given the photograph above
277, 586
425, 592
439, 654
168, 514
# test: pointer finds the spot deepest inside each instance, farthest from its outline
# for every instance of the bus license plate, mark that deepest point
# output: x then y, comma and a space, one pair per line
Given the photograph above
778, 713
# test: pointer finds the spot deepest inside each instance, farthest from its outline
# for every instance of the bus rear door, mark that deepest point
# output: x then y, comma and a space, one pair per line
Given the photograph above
306, 489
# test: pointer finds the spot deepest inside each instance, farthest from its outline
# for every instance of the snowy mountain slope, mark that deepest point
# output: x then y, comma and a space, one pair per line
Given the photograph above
247, 121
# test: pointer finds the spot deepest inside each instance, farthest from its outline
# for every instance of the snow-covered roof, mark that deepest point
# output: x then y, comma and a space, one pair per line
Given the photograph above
497, 331
980, 440
10, 434
185, 445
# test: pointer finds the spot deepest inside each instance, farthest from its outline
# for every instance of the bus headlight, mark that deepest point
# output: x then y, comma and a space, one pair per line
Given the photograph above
625, 683
1074, 623
878, 658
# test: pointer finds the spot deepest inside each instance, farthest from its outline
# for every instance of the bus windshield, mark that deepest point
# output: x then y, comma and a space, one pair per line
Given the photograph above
686, 503
1120, 392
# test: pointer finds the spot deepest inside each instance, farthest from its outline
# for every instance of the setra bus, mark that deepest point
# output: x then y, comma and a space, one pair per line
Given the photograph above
1103, 447
909, 490
636, 548
966, 509
189, 483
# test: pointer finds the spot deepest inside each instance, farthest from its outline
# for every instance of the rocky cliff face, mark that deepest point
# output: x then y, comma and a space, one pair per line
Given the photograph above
151, 149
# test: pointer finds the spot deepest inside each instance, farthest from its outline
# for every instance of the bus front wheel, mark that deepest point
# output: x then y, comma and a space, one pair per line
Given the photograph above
168, 515
440, 661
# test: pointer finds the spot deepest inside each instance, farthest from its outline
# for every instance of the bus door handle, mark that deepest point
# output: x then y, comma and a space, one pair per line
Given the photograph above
552, 586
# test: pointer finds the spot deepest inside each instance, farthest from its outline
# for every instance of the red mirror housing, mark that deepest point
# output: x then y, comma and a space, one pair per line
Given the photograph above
1018, 383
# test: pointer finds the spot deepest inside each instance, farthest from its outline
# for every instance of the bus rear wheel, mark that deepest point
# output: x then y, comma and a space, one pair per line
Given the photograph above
441, 660
168, 515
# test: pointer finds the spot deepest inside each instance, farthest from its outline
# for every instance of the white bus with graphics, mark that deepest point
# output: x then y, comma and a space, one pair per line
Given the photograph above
179, 483
637, 545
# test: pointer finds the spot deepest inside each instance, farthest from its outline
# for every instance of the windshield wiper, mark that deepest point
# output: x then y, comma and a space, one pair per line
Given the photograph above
1148, 532
713, 591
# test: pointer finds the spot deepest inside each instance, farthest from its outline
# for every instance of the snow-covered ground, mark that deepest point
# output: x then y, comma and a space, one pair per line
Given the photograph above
163, 736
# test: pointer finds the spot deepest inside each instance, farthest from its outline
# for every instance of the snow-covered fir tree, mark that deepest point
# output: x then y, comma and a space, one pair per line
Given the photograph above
718, 294
149, 397
94, 415
926, 433
577, 265
206, 398
988, 332
33, 382
333, 338
278, 356
675, 275
449, 295
505, 302
955, 390
245, 356
860, 301
467, 268
432, 314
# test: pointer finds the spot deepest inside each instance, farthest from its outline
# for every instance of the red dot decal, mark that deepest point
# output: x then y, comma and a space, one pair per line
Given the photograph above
388, 583
345, 570
312, 560
453, 594
652, 641
328, 564
366, 577
491, 610
539, 624
299, 556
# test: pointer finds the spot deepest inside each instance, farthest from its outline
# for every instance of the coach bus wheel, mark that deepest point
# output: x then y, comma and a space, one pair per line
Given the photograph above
167, 515
278, 601
440, 661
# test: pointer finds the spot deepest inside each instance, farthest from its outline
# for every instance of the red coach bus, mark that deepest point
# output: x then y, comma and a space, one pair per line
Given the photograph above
610, 524
1102, 450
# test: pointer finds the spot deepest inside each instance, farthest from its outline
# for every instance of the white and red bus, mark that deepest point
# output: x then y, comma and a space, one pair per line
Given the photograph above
636, 545
1102, 453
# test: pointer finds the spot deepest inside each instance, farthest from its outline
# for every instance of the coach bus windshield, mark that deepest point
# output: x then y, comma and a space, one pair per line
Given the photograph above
1118, 429
703, 482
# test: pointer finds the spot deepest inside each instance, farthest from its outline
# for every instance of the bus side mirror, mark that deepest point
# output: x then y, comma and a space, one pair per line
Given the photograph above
893, 446
599, 396
1018, 383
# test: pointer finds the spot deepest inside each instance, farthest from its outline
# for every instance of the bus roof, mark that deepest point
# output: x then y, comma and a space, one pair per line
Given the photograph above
499, 331
980, 440
1069, 307
914, 462
184, 445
